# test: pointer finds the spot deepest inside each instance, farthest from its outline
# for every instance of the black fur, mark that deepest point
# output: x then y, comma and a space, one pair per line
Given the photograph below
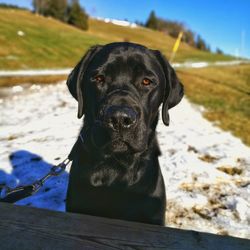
115, 171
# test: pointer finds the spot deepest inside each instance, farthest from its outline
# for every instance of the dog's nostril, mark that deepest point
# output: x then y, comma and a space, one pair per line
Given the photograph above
127, 122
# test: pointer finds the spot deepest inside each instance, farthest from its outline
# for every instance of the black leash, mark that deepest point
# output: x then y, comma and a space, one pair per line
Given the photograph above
12, 195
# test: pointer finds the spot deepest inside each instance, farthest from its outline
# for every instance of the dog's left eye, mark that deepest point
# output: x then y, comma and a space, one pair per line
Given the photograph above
99, 79
146, 81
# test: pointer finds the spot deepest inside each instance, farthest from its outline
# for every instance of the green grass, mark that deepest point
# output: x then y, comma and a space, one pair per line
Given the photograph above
225, 92
49, 43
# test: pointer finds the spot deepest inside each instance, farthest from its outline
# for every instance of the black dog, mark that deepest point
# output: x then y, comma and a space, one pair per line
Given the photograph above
115, 171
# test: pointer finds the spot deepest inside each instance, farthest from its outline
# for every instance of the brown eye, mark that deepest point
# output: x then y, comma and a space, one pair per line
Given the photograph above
146, 81
100, 79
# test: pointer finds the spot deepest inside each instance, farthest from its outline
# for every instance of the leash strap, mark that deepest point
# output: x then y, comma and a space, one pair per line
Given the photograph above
12, 195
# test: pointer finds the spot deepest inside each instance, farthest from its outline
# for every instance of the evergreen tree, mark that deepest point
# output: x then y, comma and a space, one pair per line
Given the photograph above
53, 8
189, 37
56, 9
219, 51
40, 6
200, 43
152, 21
76, 15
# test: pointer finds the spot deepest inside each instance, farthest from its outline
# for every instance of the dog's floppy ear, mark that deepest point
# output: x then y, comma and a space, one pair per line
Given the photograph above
75, 78
174, 89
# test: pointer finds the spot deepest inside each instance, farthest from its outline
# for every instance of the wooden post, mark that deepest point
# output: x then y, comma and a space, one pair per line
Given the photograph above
32, 228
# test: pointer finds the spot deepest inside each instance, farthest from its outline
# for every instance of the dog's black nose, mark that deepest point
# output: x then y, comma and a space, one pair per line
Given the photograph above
119, 117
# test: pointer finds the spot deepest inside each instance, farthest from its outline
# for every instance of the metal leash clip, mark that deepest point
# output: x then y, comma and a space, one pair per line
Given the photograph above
58, 169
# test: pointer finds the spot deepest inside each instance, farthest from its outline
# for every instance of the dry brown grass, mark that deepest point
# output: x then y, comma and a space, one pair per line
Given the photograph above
225, 92
10, 81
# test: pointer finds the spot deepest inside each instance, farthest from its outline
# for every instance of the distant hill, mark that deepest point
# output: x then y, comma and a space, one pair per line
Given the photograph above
31, 41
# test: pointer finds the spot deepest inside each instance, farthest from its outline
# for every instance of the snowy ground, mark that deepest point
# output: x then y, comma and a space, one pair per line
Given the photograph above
206, 170
66, 71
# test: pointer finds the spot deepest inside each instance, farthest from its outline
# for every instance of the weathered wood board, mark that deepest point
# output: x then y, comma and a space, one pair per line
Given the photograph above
32, 228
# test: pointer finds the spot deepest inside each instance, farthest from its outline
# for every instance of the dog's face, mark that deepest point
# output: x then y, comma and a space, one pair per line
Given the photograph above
120, 87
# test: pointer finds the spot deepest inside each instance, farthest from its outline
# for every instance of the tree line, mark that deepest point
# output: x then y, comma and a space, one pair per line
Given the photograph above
68, 11
11, 6
173, 28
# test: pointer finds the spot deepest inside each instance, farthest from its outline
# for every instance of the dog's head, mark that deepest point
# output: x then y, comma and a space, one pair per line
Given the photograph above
119, 87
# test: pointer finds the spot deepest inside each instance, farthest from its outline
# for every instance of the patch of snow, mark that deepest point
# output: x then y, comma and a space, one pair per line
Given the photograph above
39, 125
119, 22
17, 88
34, 72
199, 65
20, 33
191, 64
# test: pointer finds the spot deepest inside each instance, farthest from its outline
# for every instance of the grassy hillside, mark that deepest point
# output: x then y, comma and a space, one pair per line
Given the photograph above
225, 92
48, 43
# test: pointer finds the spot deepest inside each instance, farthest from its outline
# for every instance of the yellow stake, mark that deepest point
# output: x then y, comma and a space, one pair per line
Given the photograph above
176, 45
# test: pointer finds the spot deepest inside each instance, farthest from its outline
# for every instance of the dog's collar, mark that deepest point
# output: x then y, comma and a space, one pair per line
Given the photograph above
80, 141
81, 138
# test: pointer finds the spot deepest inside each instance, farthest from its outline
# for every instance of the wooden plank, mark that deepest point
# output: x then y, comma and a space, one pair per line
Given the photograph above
32, 228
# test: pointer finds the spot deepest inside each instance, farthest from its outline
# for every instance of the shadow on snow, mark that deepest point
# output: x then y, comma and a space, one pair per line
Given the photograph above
28, 167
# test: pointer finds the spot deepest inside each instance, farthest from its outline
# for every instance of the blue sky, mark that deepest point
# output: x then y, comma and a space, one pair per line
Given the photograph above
222, 23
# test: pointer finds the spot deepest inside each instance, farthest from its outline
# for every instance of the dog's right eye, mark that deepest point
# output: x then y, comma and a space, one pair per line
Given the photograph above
146, 82
99, 79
